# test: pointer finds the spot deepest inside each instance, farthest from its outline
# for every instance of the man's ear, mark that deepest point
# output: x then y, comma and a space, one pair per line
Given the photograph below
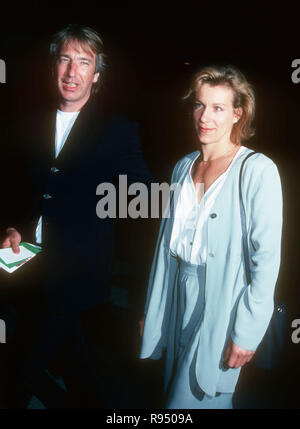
96, 77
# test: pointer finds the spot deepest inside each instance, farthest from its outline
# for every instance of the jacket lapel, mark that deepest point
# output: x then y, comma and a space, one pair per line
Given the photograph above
42, 150
82, 133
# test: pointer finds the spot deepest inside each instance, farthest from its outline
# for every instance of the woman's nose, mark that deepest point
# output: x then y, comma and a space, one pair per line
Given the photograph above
205, 116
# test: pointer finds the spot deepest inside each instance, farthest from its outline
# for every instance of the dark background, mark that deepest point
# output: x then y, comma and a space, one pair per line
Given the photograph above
153, 50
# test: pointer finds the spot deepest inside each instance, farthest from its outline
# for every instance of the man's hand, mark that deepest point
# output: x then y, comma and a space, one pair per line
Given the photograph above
12, 239
235, 356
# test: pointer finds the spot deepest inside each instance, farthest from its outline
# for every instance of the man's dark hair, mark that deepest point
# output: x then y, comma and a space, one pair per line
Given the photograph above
84, 36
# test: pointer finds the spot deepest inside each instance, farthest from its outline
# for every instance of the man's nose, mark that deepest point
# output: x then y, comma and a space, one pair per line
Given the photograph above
71, 70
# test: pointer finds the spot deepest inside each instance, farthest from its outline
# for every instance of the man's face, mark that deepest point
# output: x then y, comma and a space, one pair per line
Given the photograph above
75, 74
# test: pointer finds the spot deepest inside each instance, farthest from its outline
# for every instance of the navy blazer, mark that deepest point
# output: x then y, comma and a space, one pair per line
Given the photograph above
77, 245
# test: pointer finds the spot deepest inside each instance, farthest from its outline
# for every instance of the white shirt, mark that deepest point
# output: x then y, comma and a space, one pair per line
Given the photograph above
189, 233
64, 124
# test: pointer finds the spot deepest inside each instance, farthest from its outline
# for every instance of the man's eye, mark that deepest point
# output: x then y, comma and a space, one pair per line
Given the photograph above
86, 63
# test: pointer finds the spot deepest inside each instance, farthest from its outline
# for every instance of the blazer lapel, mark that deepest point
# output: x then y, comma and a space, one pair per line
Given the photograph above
51, 138
82, 133
43, 145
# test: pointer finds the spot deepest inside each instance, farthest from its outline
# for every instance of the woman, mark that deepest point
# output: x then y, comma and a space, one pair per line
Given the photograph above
199, 308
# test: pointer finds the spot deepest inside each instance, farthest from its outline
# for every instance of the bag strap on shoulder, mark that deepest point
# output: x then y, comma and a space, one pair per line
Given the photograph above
243, 221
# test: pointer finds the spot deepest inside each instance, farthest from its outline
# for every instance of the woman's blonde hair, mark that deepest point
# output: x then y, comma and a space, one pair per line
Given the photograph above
243, 96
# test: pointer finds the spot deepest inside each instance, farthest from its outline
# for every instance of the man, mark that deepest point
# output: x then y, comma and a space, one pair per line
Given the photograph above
71, 150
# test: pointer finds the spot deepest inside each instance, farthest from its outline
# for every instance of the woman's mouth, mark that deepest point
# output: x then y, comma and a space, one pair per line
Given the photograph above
205, 130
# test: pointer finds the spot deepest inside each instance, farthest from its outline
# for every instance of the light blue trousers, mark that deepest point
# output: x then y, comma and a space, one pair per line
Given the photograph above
184, 393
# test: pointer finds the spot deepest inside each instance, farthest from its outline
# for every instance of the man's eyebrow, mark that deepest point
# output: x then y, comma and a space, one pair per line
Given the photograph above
81, 58
85, 59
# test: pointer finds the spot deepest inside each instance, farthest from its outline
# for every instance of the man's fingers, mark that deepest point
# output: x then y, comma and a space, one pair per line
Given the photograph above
12, 240
5, 243
15, 246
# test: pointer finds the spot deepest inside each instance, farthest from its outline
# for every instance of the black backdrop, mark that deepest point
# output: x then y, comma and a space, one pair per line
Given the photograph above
153, 50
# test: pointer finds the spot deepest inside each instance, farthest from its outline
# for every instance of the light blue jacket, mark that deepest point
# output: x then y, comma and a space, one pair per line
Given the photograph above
231, 307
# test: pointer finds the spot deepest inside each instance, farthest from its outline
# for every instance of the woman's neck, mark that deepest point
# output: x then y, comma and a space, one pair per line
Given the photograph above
213, 151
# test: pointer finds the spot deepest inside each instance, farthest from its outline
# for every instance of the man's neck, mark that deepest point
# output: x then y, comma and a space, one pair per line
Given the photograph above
66, 106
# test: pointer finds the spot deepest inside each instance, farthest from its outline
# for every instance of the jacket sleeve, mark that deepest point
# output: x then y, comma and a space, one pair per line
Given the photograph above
156, 260
159, 293
263, 197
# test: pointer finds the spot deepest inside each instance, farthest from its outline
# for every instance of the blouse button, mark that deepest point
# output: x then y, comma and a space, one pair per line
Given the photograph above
213, 215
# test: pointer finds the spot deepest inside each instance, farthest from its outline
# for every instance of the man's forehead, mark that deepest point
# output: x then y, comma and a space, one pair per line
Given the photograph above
78, 46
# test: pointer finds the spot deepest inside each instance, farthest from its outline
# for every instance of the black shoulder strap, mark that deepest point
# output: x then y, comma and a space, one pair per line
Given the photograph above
243, 220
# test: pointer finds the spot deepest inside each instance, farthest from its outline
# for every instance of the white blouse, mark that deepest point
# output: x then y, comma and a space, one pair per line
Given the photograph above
189, 233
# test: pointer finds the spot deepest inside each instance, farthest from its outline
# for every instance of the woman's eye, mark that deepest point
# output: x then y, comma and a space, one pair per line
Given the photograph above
219, 109
198, 105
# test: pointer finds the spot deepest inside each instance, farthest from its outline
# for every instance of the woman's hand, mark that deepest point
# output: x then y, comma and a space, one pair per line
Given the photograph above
235, 356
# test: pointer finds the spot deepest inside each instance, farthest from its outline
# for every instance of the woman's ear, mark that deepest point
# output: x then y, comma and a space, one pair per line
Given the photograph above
237, 114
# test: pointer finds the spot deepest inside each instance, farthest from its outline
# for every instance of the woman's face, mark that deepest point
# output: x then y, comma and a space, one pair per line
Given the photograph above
214, 114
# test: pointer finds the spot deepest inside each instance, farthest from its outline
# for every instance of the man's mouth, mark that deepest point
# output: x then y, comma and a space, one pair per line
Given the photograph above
70, 84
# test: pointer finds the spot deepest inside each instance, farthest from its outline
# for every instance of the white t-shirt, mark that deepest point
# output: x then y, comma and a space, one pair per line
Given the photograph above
64, 124
189, 233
